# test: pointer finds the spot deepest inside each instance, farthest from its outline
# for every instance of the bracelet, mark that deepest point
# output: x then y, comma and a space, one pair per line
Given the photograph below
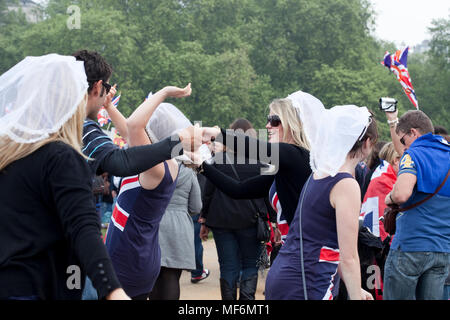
392, 123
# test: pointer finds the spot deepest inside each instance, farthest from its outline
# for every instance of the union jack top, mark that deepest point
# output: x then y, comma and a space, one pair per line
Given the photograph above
319, 246
132, 235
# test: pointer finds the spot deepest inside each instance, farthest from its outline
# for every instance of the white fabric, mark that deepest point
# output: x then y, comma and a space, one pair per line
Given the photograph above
38, 95
331, 133
166, 121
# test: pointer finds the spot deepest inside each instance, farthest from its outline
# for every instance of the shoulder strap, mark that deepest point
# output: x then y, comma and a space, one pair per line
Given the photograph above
428, 197
253, 204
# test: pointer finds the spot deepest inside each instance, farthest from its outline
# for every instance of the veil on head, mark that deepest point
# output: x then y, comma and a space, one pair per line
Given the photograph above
38, 95
166, 121
331, 133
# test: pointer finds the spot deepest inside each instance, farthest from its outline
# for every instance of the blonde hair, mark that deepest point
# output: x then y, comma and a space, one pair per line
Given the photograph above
290, 121
70, 133
388, 153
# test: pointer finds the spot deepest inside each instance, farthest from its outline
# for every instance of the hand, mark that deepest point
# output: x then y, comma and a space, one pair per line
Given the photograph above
365, 295
117, 294
110, 96
175, 92
191, 138
209, 133
277, 236
204, 232
392, 115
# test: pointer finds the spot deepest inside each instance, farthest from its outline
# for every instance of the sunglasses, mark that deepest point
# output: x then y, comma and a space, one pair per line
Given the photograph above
274, 120
402, 139
107, 86
104, 84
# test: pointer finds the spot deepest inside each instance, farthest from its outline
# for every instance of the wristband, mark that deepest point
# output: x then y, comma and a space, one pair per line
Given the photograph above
392, 123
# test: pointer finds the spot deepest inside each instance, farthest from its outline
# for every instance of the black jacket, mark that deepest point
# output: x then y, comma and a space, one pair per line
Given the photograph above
220, 210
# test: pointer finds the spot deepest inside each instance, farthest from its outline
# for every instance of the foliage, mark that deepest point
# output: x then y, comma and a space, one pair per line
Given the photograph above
238, 54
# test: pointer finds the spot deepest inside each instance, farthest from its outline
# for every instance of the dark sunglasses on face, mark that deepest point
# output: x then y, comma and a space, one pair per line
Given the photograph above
104, 84
274, 120
107, 86
402, 139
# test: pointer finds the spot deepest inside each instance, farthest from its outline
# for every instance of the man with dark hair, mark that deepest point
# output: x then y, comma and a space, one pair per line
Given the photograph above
419, 259
104, 155
107, 157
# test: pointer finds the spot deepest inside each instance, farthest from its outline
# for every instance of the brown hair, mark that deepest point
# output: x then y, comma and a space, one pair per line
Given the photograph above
371, 133
374, 156
414, 119
245, 125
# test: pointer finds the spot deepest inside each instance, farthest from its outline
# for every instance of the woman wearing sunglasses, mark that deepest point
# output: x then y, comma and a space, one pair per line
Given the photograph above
286, 146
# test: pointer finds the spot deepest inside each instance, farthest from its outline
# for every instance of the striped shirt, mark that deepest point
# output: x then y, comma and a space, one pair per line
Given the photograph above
96, 144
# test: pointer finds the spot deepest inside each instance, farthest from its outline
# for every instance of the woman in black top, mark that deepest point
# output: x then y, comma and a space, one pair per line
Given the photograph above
50, 234
286, 150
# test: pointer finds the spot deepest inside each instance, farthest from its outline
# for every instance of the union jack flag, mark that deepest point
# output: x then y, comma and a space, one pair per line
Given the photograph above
102, 116
372, 209
397, 63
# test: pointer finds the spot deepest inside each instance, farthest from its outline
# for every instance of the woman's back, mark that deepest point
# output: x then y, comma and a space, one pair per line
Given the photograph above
320, 247
132, 236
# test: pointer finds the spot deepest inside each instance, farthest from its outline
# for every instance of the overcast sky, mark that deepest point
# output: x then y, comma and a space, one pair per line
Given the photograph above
406, 21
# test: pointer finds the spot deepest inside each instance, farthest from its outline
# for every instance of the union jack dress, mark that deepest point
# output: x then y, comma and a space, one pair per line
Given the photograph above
320, 249
132, 236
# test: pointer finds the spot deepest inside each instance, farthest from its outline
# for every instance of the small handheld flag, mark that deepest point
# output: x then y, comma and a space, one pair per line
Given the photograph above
102, 116
397, 63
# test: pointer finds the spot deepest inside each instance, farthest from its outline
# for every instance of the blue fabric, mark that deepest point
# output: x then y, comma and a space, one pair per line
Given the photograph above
424, 228
135, 251
238, 251
431, 156
319, 233
415, 275
198, 248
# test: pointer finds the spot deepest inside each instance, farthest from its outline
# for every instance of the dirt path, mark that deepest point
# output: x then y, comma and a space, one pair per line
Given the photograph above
209, 289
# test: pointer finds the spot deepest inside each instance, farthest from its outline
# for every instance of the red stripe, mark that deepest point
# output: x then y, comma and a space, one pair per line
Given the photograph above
129, 180
119, 217
329, 255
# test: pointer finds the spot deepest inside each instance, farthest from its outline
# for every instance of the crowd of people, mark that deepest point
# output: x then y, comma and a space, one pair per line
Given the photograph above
320, 183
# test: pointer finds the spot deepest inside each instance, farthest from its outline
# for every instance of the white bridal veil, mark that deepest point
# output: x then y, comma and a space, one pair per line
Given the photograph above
38, 95
331, 132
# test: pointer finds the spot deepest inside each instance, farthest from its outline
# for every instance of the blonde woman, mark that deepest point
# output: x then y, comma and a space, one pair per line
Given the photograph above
48, 217
286, 149
322, 242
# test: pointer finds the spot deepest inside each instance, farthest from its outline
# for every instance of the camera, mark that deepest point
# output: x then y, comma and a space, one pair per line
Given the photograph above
388, 104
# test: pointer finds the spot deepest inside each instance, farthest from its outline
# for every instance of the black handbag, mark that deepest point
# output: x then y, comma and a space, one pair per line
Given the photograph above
262, 226
391, 212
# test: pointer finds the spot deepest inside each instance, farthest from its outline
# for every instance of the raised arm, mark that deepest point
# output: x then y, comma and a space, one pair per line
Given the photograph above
120, 122
138, 120
392, 118
137, 134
